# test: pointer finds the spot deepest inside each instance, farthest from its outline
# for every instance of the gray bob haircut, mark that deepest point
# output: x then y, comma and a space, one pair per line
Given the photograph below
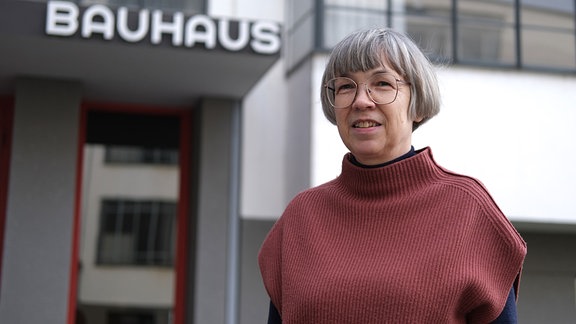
367, 49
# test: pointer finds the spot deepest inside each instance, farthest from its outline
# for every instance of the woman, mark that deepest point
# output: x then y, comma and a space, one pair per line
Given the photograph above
395, 238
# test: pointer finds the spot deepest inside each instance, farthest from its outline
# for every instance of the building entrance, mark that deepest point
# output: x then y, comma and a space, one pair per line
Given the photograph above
131, 217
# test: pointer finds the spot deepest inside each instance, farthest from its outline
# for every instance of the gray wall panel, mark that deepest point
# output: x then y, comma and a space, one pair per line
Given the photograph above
548, 286
40, 211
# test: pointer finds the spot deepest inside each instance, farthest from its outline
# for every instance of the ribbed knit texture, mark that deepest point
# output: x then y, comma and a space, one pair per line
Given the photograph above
406, 243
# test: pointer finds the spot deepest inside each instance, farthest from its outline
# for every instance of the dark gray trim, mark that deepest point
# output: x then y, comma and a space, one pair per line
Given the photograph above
518, 33
454, 19
319, 23
389, 14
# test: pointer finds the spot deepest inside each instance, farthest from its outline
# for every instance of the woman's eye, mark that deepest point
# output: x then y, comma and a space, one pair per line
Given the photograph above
343, 88
382, 84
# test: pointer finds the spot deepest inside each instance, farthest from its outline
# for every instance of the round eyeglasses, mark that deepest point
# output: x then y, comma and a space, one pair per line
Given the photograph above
382, 89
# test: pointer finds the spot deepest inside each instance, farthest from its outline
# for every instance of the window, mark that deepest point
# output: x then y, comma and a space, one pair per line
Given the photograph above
486, 32
137, 232
132, 223
131, 318
529, 34
143, 155
548, 34
186, 5
428, 23
342, 17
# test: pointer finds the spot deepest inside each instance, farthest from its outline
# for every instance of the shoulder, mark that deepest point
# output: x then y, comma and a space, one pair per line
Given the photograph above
467, 184
489, 212
454, 181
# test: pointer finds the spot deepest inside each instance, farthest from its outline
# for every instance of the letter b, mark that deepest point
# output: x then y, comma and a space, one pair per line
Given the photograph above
61, 18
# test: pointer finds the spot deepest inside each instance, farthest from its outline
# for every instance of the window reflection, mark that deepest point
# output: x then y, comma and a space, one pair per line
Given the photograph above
129, 219
429, 24
137, 232
472, 32
342, 17
548, 33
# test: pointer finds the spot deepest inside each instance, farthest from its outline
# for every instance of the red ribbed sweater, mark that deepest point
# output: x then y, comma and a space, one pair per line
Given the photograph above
406, 243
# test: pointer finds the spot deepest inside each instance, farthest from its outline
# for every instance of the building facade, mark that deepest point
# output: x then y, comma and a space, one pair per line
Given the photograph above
121, 135
149, 146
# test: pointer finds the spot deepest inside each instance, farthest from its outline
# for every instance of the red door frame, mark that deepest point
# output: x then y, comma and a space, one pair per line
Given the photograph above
180, 266
6, 120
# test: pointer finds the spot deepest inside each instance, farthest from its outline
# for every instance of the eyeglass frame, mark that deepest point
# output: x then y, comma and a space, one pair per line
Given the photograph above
368, 90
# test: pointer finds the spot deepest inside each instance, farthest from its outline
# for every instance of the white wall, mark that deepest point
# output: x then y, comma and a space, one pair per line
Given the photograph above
264, 127
264, 121
511, 130
515, 132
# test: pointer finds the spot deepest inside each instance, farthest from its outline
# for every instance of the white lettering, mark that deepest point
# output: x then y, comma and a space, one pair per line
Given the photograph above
91, 25
62, 18
206, 36
160, 27
125, 32
266, 37
224, 35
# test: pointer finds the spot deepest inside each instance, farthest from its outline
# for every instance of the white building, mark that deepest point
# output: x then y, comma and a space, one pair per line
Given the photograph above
207, 121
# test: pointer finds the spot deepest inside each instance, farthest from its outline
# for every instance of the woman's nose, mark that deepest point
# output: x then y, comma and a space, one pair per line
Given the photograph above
362, 99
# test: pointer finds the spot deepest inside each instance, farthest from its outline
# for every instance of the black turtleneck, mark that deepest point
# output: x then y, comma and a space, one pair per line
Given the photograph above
410, 153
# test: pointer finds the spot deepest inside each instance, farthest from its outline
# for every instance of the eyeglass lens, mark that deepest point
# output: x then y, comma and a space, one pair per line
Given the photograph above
382, 89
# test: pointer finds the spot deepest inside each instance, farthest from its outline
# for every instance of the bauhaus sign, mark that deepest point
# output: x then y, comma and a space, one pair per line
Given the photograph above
66, 19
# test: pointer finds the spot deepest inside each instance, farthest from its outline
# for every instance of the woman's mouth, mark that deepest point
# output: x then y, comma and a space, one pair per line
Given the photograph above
365, 124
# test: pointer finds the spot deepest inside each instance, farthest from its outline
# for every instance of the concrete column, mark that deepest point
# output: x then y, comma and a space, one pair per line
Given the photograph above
213, 198
40, 210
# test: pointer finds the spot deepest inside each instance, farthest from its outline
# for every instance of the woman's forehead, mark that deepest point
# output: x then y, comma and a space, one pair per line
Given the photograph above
355, 65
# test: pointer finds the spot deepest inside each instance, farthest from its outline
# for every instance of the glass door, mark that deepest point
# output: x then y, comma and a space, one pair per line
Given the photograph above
131, 218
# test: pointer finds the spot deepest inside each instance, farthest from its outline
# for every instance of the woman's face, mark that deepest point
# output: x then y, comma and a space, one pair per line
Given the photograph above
376, 133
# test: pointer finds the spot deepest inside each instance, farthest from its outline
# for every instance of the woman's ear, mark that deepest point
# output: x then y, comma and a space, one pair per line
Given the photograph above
417, 122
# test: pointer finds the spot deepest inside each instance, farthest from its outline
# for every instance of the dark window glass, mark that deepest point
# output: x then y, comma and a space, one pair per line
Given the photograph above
137, 232
342, 17
131, 318
141, 155
536, 35
428, 22
548, 38
486, 32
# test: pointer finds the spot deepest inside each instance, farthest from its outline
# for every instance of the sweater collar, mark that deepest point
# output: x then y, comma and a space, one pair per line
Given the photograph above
406, 174
410, 153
